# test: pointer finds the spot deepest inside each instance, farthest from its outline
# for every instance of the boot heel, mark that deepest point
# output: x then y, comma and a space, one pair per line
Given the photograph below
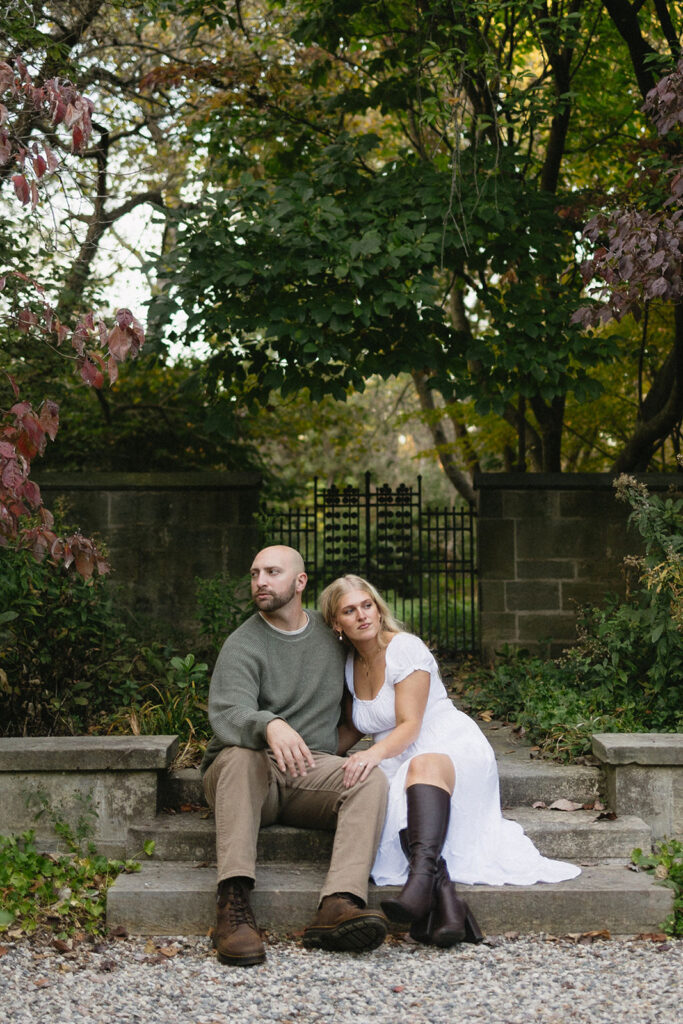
421, 931
396, 912
473, 932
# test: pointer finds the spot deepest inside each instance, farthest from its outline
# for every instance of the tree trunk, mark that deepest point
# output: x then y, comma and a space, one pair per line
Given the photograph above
460, 479
661, 410
551, 421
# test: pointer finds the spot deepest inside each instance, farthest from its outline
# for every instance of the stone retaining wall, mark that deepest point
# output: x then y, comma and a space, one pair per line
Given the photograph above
548, 543
162, 530
107, 781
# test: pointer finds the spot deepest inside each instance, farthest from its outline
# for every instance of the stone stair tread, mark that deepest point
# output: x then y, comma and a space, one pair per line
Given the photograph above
567, 835
179, 898
581, 836
523, 780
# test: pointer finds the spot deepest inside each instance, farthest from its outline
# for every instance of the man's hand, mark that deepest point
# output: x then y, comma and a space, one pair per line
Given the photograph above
291, 753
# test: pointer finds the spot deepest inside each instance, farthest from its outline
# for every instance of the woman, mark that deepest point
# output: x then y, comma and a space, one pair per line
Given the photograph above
444, 796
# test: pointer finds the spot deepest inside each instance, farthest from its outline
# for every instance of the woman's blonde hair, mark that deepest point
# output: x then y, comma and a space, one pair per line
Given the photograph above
332, 595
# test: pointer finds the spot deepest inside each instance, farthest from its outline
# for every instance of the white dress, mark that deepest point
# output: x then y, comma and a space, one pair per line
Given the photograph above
481, 845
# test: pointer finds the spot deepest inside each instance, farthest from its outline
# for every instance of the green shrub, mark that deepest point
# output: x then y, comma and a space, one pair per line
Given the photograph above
223, 603
61, 892
666, 864
56, 638
66, 658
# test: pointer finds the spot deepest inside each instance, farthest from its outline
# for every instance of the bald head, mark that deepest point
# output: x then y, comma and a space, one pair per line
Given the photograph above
278, 579
281, 555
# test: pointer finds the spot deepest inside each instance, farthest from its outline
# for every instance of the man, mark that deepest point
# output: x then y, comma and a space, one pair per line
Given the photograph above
274, 707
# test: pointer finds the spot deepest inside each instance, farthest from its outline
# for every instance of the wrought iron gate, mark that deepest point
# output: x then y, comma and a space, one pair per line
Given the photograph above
421, 559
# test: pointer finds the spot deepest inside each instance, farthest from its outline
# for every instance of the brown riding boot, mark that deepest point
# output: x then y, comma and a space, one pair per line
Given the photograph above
451, 920
236, 936
343, 923
428, 814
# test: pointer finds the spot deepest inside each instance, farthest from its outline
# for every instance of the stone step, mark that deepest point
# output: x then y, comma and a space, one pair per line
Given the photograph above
174, 899
191, 836
579, 836
573, 835
523, 781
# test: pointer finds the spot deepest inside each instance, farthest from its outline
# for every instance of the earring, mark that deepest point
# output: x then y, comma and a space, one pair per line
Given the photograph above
340, 635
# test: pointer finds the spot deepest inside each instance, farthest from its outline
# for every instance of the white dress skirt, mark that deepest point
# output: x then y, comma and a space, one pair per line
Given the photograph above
481, 846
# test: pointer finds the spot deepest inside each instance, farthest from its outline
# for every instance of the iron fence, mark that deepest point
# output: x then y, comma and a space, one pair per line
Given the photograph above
423, 560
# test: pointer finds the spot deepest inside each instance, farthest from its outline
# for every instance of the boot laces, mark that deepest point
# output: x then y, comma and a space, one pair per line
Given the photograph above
238, 908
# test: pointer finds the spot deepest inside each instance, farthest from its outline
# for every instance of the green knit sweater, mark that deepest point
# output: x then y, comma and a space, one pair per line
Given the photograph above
262, 674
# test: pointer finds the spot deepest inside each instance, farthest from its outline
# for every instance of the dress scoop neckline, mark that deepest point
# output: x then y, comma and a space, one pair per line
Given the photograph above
371, 700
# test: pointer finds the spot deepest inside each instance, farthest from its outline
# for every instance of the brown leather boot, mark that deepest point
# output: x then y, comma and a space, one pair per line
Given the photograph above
428, 814
448, 924
236, 936
451, 919
344, 924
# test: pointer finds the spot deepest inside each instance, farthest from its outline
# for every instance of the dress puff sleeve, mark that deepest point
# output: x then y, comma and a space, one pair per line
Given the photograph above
405, 654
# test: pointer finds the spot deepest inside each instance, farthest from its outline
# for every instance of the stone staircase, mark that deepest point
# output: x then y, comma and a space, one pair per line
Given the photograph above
174, 892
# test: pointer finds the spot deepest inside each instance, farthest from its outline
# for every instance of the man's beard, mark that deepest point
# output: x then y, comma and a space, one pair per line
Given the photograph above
276, 601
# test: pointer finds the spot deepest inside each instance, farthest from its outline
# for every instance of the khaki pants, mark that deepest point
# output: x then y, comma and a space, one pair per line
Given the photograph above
246, 790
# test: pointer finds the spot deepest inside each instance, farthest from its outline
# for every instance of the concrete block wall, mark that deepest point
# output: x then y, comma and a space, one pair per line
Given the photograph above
161, 531
547, 544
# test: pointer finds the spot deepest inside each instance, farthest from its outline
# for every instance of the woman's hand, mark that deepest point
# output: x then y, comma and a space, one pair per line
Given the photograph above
359, 765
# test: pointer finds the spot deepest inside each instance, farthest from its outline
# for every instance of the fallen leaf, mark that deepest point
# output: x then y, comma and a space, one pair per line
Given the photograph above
398, 988
539, 805
606, 816
652, 936
119, 932
603, 933
3, 950
565, 805
107, 965
661, 871
150, 946
485, 716
41, 982
62, 946
168, 950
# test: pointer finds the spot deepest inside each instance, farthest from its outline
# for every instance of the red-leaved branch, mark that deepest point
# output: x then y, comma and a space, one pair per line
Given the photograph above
56, 101
97, 348
641, 255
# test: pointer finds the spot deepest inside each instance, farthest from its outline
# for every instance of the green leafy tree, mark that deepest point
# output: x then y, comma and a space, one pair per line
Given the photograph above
405, 184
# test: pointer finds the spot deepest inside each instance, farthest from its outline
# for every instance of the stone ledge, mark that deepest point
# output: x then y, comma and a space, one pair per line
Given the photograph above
569, 481
86, 753
646, 748
644, 776
162, 481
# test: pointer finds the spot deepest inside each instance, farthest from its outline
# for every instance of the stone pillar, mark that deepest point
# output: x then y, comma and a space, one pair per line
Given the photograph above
549, 543
644, 774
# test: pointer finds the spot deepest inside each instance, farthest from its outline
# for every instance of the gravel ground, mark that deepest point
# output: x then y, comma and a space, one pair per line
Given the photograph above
503, 981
